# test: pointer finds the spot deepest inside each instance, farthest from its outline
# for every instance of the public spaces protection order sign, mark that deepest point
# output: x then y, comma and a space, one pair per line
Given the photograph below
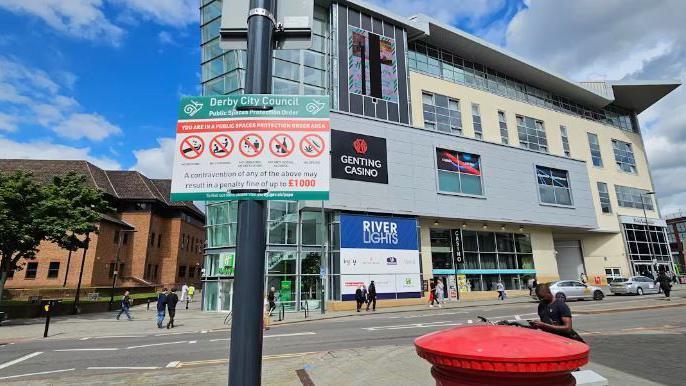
227, 152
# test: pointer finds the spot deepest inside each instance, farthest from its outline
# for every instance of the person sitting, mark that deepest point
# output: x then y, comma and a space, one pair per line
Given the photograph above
555, 315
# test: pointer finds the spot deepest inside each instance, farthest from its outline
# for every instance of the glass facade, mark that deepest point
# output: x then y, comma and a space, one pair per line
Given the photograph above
531, 134
647, 246
476, 120
441, 113
594, 145
295, 71
436, 62
553, 186
624, 156
565, 141
486, 258
604, 194
459, 172
628, 197
502, 123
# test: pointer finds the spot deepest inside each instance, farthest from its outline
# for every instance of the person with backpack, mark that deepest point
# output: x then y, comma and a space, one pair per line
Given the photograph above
172, 299
371, 296
125, 304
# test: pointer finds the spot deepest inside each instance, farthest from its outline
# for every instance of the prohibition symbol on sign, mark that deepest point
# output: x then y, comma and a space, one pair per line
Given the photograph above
192, 147
281, 145
251, 145
312, 145
221, 146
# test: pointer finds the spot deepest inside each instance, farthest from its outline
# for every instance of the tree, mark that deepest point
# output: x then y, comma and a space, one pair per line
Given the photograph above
22, 221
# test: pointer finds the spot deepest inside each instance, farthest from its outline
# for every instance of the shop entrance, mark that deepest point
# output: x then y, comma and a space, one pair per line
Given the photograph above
570, 261
650, 270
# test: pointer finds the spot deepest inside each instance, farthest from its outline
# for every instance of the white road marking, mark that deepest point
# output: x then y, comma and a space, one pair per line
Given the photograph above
427, 315
219, 340
414, 325
156, 344
122, 368
192, 342
25, 357
117, 336
470, 321
173, 364
203, 332
87, 349
86, 338
295, 334
171, 333
40, 373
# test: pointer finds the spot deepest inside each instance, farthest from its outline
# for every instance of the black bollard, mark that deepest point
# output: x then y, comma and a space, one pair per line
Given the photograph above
48, 311
148, 304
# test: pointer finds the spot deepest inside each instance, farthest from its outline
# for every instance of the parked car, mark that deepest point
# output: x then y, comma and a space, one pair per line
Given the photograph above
634, 285
572, 289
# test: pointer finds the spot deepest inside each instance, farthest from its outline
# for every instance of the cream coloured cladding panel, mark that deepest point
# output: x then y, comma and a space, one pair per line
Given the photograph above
509, 181
577, 129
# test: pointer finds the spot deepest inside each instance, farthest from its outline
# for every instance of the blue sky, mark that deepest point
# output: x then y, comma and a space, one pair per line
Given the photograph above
100, 79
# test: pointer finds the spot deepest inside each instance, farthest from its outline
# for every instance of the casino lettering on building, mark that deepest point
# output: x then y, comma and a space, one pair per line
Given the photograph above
488, 166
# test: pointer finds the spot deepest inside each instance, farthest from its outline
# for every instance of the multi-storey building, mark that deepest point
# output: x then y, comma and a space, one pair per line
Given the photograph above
159, 242
676, 236
508, 171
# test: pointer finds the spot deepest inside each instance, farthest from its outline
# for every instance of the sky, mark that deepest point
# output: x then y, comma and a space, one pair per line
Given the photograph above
101, 79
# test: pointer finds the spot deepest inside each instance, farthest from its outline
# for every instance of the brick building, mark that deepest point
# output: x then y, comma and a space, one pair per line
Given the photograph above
162, 242
676, 235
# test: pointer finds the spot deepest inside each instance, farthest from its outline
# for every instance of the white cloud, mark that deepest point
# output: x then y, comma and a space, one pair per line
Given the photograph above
49, 150
165, 37
83, 19
91, 126
8, 122
467, 13
156, 162
588, 39
175, 13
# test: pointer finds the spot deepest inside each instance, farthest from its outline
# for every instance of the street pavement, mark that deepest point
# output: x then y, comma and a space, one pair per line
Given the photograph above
629, 347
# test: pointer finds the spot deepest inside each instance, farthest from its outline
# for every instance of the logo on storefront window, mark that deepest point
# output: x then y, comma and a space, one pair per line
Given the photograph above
360, 146
391, 261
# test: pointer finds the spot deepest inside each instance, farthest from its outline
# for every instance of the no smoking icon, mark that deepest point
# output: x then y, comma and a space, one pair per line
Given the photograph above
221, 146
281, 145
251, 145
192, 147
312, 145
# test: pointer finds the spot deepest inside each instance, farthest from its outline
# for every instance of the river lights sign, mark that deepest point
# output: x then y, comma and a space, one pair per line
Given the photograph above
266, 147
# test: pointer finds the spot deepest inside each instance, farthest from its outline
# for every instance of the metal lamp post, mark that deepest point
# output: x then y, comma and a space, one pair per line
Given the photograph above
75, 308
650, 239
116, 265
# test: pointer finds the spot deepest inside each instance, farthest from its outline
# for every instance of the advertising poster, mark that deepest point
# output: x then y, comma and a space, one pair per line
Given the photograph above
226, 149
383, 249
358, 157
452, 288
227, 263
372, 68
462, 284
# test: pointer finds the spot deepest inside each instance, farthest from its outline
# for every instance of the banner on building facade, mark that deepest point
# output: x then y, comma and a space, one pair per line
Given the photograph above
383, 249
266, 147
358, 157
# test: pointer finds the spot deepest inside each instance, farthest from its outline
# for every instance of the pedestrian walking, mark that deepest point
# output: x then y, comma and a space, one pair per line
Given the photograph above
365, 294
125, 304
266, 313
359, 298
371, 296
184, 292
583, 278
271, 299
501, 290
191, 292
161, 307
665, 283
530, 285
432, 293
172, 299
439, 293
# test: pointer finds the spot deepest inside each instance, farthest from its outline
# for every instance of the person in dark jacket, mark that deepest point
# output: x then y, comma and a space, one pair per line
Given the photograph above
359, 298
172, 299
161, 307
665, 282
371, 296
125, 304
271, 298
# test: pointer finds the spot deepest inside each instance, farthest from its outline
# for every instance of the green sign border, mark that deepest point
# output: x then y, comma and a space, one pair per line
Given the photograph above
219, 196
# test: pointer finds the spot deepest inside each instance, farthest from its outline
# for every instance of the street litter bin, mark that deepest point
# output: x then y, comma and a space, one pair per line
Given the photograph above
501, 355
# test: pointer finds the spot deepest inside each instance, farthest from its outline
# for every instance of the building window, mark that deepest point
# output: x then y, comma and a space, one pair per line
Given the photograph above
553, 186
31, 269
612, 273
121, 269
159, 240
182, 271
624, 156
531, 134
126, 238
442, 113
459, 172
53, 269
565, 141
628, 197
311, 232
116, 236
502, 122
222, 219
191, 271
152, 239
645, 244
476, 119
595, 150
283, 222
148, 270
112, 267
605, 205
372, 65
154, 275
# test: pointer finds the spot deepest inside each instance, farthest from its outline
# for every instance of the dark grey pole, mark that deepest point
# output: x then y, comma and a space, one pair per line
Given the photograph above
75, 309
245, 354
115, 270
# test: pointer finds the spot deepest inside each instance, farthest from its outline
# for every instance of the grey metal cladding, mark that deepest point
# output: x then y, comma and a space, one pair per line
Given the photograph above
509, 180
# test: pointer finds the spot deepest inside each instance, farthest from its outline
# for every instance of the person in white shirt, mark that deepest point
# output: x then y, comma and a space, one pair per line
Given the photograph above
184, 292
439, 292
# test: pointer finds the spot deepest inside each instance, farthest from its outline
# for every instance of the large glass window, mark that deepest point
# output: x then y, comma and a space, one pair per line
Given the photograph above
54, 269
283, 222
502, 122
441, 252
459, 172
604, 195
476, 119
311, 228
222, 219
628, 197
553, 186
531, 134
442, 113
594, 145
647, 242
624, 156
565, 141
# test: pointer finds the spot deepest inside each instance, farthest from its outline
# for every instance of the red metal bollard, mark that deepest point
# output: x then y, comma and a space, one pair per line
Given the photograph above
501, 356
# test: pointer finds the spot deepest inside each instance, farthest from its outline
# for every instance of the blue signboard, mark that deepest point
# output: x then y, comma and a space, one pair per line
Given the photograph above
371, 232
